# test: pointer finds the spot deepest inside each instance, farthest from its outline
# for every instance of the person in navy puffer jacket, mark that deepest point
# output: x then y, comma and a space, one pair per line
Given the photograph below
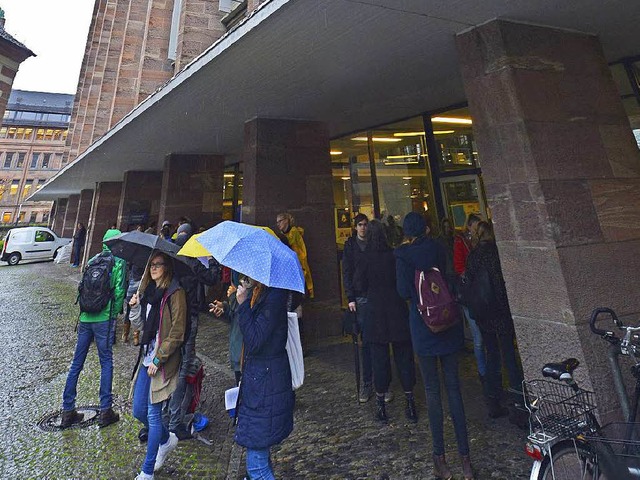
266, 400
437, 352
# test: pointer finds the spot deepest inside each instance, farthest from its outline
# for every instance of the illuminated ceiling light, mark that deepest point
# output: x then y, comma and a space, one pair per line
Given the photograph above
443, 132
229, 175
335, 152
345, 178
408, 134
403, 156
460, 121
377, 139
407, 178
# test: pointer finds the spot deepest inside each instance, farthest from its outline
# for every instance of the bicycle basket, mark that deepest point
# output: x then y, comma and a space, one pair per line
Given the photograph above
623, 440
556, 409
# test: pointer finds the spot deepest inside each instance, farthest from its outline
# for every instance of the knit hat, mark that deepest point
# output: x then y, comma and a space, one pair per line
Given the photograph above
185, 228
414, 225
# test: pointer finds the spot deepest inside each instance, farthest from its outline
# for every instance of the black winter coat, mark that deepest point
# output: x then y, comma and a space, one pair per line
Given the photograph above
351, 256
387, 315
497, 318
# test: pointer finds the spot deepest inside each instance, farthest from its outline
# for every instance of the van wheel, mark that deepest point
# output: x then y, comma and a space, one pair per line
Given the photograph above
13, 259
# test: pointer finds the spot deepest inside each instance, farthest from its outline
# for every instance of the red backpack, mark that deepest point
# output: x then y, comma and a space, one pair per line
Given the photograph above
436, 304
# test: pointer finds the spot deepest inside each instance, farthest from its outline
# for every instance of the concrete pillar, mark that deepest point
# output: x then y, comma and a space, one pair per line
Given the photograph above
562, 175
84, 207
52, 213
140, 199
287, 168
58, 216
69, 225
192, 187
104, 208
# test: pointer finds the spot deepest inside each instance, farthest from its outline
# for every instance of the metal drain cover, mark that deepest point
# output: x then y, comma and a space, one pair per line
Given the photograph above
50, 422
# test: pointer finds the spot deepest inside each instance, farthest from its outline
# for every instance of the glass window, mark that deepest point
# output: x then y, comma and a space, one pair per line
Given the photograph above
14, 187
46, 159
21, 216
8, 159
20, 162
43, 236
45, 217
6, 217
34, 160
32, 217
3, 132
232, 193
454, 137
382, 173
26, 190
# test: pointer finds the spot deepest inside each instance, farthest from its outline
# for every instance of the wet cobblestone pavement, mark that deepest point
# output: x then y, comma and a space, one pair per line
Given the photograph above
334, 437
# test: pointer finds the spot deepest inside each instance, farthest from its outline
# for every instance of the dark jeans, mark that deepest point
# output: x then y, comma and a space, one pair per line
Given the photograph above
88, 332
365, 349
181, 397
75, 254
431, 376
495, 344
403, 358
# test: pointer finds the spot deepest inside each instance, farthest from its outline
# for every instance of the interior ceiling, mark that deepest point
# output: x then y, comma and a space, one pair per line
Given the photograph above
349, 63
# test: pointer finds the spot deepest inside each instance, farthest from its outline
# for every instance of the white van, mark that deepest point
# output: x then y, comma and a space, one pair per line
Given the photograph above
31, 243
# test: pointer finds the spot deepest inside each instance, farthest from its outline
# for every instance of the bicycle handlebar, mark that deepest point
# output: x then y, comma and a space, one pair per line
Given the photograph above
606, 334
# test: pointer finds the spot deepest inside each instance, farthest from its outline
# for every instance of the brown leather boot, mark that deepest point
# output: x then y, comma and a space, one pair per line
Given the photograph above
440, 468
125, 332
136, 337
467, 470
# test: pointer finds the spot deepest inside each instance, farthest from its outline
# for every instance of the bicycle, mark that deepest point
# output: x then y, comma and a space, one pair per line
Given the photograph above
566, 441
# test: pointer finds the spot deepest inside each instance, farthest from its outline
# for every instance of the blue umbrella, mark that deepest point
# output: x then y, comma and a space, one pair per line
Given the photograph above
255, 253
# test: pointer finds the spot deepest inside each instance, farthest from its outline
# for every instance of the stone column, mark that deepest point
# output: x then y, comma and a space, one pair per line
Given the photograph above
52, 213
192, 187
104, 209
84, 207
69, 225
287, 167
562, 175
58, 216
140, 199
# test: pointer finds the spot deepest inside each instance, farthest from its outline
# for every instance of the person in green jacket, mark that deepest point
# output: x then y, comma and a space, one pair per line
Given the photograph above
97, 327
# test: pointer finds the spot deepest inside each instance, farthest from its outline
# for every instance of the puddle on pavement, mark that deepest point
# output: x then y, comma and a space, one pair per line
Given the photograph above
50, 422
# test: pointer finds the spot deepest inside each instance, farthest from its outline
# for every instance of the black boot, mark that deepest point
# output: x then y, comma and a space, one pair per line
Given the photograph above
381, 411
496, 410
70, 417
410, 410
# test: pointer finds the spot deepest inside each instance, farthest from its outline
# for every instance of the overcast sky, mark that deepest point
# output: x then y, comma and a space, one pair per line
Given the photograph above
56, 31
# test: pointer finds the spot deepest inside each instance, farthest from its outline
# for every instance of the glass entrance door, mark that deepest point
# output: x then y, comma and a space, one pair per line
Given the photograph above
463, 195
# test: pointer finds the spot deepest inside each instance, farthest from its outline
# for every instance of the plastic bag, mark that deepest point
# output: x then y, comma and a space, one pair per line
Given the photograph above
64, 254
294, 351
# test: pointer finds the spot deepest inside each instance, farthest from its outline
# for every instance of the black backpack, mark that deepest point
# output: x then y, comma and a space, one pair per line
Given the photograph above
94, 291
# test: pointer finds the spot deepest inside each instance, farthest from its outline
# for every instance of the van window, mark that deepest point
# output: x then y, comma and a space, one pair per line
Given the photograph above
43, 236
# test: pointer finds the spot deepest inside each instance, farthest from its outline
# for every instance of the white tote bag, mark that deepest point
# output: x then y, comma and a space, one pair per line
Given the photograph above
294, 351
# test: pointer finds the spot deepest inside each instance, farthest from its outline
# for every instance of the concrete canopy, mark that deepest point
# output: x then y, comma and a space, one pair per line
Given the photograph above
349, 63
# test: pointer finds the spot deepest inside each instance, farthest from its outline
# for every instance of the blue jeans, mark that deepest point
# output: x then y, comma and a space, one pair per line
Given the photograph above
150, 414
367, 354
431, 377
478, 347
99, 332
259, 464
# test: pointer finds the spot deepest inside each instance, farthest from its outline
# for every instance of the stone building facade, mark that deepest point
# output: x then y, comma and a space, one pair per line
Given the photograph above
12, 54
32, 143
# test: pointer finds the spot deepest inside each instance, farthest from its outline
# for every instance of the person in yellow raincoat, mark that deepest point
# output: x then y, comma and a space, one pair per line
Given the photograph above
285, 223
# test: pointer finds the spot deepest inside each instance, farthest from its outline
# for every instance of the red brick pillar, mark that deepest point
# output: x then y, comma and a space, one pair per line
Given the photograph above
69, 225
84, 207
58, 216
140, 200
562, 175
287, 167
104, 212
192, 187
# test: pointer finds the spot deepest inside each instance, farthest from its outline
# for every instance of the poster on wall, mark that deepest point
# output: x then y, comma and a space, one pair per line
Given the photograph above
343, 225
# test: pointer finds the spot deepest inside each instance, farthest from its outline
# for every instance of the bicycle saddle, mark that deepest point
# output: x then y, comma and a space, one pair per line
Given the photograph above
559, 371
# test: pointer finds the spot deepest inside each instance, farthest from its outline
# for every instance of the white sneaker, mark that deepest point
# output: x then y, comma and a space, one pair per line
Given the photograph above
164, 450
144, 476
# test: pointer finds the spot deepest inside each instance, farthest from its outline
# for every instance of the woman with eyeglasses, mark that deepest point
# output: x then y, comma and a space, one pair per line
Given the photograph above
161, 314
266, 399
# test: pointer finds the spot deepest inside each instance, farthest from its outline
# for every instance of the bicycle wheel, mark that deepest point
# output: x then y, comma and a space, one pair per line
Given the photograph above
570, 461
